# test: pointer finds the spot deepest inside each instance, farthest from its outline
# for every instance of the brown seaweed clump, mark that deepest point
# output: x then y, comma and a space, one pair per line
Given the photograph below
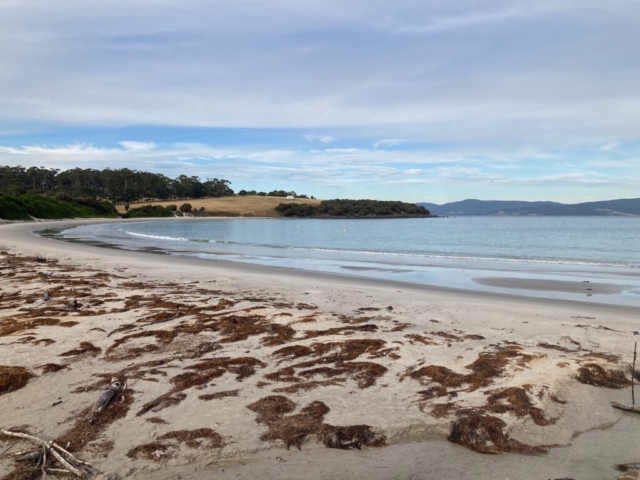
201, 437
515, 400
340, 354
87, 348
487, 367
200, 375
13, 378
52, 367
219, 395
354, 436
294, 429
486, 434
594, 374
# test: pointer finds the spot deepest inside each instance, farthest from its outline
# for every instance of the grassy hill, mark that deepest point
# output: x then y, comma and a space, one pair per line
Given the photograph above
248, 206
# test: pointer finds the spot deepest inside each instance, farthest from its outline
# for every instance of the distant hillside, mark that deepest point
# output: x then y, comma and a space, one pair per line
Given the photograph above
508, 208
475, 207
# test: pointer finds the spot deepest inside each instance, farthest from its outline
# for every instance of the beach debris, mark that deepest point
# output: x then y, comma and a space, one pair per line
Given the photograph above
167, 445
84, 348
619, 406
46, 454
594, 374
487, 434
107, 396
633, 374
13, 378
625, 467
295, 429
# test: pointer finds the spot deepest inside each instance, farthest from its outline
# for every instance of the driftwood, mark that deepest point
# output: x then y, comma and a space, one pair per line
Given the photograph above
49, 449
107, 396
633, 374
619, 406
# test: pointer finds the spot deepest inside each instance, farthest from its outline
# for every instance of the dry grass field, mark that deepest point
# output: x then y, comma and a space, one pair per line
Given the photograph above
241, 206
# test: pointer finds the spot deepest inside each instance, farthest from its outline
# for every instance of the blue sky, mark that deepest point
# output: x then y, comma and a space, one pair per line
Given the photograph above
419, 100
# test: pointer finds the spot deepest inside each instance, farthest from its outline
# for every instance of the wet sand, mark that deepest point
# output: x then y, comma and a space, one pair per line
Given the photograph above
227, 364
548, 285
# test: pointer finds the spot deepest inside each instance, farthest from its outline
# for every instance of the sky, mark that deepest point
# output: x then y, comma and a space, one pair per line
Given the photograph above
415, 100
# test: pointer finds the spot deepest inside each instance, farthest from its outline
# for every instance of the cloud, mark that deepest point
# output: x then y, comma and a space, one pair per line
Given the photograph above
388, 142
319, 138
138, 146
513, 70
609, 146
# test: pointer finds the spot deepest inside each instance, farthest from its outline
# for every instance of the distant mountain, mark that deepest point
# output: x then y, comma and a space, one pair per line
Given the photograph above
506, 208
476, 207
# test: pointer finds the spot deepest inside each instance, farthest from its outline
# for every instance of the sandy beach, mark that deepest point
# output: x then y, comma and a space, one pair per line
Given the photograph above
238, 371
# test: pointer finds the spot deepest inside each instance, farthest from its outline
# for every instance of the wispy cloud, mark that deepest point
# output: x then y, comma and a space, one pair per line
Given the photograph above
138, 146
388, 142
319, 138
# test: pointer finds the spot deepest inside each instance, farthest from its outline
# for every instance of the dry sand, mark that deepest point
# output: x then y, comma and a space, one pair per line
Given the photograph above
227, 364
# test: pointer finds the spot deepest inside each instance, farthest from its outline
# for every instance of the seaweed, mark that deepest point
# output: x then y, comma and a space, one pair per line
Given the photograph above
555, 347
13, 379
487, 434
87, 348
594, 374
364, 373
294, 429
163, 401
306, 386
421, 339
219, 395
88, 426
515, 400
354, 436
52, 367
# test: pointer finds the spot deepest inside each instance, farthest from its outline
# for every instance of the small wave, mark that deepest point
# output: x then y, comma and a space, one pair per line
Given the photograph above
157, 237
474, 258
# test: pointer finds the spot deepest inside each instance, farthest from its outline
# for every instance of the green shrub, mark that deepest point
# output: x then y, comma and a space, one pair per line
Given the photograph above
126, 207
353, 209
172, 207
185, 207
148, 211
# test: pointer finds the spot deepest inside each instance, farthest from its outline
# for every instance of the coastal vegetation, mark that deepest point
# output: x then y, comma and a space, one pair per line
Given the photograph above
35, 192
353, 209
118, 186
28, 207
148, 211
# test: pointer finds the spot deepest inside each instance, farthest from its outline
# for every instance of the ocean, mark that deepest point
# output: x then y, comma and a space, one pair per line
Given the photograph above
549, 257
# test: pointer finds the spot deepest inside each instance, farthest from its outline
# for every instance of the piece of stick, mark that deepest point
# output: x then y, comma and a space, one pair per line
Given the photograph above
625, 408
66, 464
44, 462
53, 449
633, 374
62, 450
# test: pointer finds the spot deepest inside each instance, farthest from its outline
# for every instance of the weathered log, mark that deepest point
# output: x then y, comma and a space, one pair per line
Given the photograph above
106, 397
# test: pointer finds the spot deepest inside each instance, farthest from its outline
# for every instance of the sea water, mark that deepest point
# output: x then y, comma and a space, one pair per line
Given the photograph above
453, 252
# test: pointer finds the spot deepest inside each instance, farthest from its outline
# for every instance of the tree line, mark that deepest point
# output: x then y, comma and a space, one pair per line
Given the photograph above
119, 185
353, 209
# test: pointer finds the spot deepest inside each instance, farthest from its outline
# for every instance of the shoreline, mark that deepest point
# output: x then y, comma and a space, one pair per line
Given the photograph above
519, 286
366, 363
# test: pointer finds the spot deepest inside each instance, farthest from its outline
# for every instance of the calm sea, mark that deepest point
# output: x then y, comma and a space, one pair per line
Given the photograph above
448, 252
